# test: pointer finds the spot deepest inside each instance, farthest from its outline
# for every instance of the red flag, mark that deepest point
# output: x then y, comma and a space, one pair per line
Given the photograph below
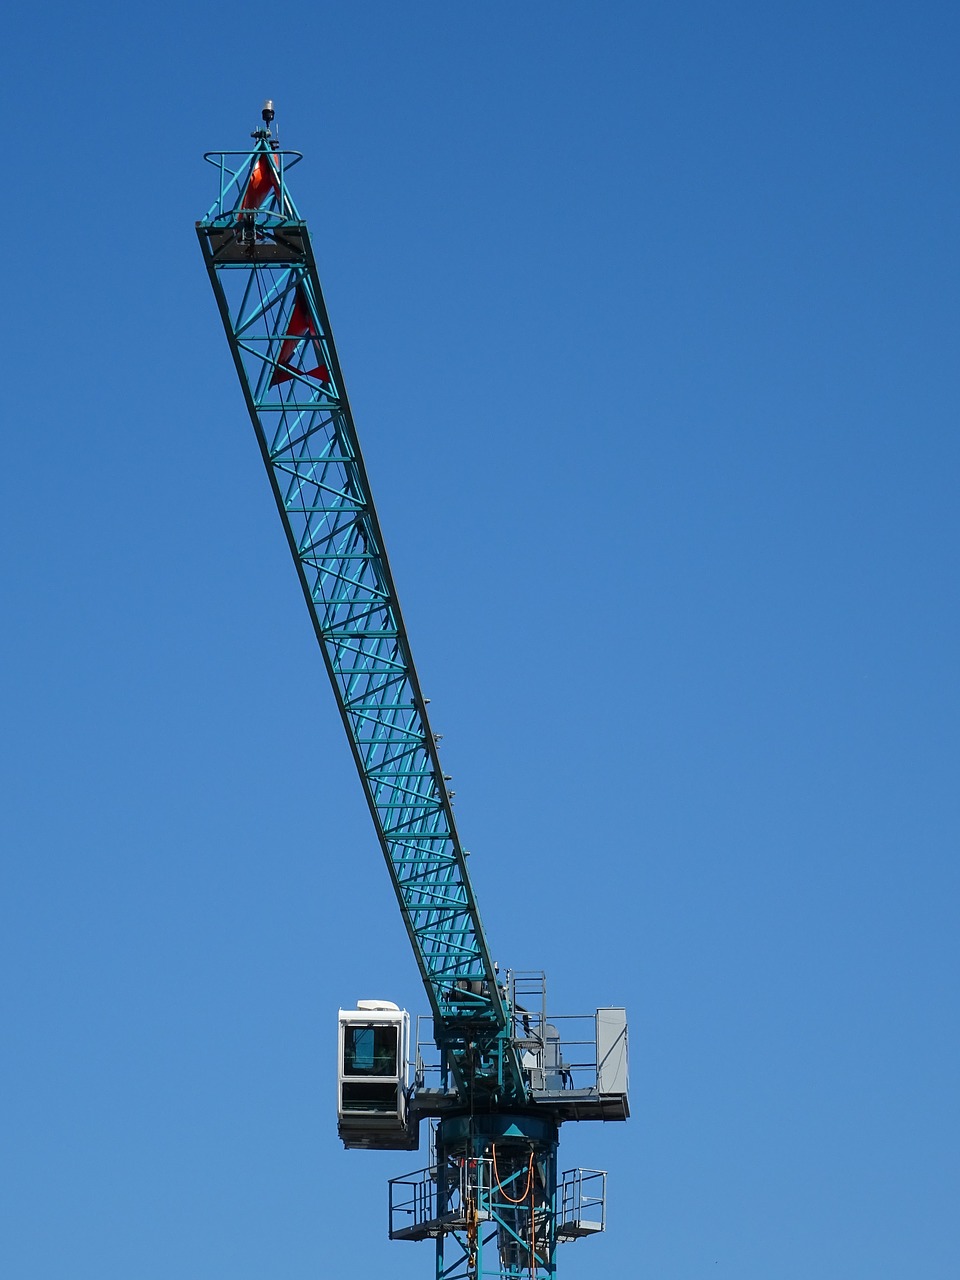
263, 179
299, 326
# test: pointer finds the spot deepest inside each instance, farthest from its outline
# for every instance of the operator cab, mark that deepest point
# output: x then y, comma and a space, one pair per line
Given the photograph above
373, 1067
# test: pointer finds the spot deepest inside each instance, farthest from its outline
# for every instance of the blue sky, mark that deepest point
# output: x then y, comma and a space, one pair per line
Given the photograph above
648, 316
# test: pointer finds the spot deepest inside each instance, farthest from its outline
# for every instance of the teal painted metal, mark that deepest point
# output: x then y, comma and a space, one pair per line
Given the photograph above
499, 1172
262, 267
489, 1198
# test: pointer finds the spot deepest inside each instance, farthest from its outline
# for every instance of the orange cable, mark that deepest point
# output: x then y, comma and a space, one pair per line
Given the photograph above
526, 1190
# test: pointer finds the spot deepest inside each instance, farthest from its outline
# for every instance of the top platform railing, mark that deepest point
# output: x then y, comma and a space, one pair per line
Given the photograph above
234, 171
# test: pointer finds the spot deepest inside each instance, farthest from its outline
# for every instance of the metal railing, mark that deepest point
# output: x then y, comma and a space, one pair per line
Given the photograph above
413, 1204
473, 1185
557, 1053
582, 1203
415, 1208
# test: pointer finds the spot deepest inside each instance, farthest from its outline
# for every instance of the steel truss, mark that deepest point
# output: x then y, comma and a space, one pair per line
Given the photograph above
261, 264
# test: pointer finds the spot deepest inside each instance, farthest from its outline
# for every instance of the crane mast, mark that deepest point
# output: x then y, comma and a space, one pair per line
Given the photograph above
500, 1085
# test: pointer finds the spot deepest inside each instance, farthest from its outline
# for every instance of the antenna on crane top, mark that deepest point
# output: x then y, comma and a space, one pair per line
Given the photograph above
267, 115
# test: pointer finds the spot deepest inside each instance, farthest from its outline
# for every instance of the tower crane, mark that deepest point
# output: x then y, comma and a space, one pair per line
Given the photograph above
491, 1072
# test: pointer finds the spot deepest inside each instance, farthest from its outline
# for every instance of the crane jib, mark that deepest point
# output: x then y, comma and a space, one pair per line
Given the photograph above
261, 264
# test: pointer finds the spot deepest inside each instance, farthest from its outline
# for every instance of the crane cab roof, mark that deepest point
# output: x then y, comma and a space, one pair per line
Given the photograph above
373, 1010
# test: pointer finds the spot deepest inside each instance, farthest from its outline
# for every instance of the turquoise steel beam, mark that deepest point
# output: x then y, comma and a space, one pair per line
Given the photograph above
496, 1189
261, 264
